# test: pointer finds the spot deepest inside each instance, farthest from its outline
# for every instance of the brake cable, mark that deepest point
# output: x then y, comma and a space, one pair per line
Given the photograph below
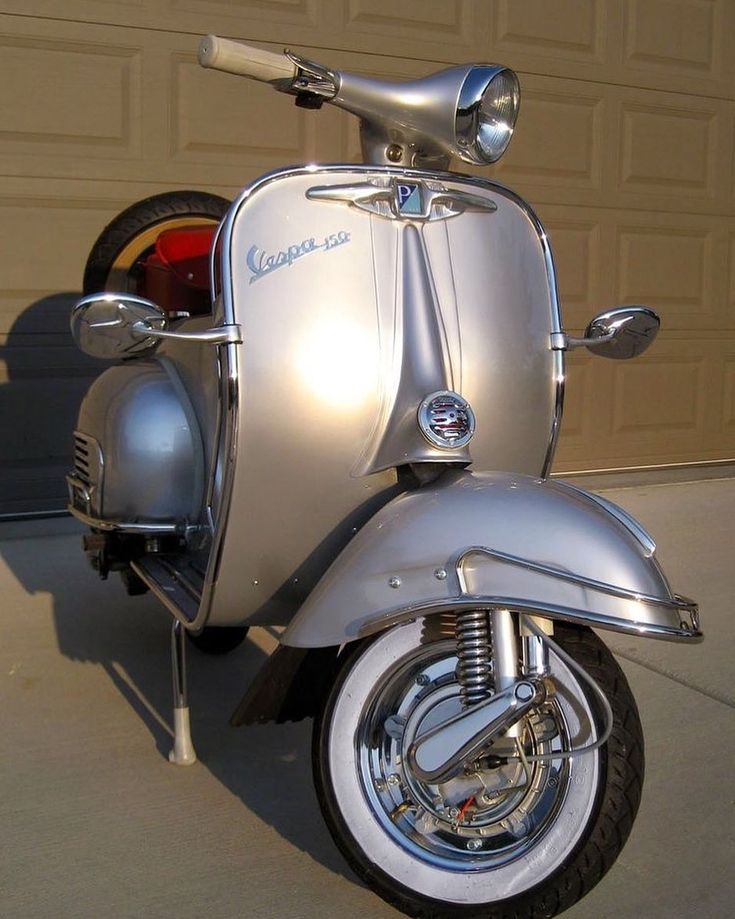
606, 707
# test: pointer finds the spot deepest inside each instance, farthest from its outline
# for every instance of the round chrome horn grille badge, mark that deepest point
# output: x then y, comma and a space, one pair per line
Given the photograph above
446, 420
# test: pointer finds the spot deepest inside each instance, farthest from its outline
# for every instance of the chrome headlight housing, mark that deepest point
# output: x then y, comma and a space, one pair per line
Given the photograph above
487, 109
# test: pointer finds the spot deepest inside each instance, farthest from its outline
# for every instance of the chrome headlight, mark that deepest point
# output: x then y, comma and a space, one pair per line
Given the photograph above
487, 109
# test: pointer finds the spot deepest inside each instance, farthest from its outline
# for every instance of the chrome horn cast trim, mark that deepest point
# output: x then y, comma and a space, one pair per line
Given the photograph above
403, 200
446, 420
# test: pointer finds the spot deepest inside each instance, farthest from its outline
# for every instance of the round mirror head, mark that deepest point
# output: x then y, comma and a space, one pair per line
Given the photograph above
633, 329
103, 325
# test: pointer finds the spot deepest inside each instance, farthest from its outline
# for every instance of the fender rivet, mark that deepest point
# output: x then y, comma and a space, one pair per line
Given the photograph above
394, 582
440, 574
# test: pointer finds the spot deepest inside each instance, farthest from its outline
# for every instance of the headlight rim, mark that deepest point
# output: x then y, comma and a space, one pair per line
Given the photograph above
469, 102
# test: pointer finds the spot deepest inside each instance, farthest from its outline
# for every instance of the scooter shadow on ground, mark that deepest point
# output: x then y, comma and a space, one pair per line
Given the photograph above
268, 768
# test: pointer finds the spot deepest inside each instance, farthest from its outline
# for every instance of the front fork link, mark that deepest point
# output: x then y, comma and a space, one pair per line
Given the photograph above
487, 652
495, 696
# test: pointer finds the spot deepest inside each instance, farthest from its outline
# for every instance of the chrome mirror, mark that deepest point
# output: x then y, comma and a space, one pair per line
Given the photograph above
113, 326
620, 334
108, 325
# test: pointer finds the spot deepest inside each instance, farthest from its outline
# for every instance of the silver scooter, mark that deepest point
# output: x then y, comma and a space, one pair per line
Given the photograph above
353, 442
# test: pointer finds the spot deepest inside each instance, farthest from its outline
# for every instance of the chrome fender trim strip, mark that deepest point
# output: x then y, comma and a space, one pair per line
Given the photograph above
677, 602
688, 631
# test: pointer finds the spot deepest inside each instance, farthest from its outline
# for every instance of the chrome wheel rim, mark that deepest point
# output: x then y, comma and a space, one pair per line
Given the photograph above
482, 820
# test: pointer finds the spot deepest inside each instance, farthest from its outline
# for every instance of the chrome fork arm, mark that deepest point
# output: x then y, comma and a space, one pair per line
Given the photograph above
441, 753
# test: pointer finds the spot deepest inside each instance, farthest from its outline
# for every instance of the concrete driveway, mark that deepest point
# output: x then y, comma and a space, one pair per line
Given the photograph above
95, 822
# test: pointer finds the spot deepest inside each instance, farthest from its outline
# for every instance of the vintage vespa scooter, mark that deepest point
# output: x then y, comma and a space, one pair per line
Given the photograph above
353, 442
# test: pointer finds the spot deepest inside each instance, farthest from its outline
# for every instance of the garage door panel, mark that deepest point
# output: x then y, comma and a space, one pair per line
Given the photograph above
583, 412
727, 414
670, 269
680, 271
691, 46
681, 265
571, 28
261, 127
452, 22
45, 240
665, 407
300, 20
678, 45
731, 275
304, 13
42, 83
587, 411
665, 395
578, 257
609, 146
672, 147
559, 138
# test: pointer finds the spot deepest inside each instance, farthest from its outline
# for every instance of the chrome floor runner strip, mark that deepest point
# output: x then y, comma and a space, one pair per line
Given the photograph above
174, 581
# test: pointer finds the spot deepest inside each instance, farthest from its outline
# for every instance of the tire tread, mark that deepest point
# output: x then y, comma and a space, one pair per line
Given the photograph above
138, 217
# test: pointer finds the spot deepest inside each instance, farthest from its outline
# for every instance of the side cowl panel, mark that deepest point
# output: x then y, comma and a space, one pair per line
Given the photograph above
495, 540
138, 425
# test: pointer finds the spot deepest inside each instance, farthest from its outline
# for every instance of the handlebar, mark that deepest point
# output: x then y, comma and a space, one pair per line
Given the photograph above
421, 122
244, 60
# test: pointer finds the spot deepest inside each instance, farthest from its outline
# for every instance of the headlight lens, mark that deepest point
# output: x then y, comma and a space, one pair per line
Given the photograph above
486, 114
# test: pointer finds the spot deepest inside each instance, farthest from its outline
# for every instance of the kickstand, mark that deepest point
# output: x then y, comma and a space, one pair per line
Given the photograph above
183, 753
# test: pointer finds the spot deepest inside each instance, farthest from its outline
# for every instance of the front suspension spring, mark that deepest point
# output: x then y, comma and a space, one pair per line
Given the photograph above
474, 670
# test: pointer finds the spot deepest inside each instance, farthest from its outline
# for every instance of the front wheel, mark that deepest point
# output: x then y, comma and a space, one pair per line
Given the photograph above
524, 831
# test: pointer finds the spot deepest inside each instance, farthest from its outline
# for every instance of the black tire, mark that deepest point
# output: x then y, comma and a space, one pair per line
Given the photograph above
389, 852
219, 640
116, 256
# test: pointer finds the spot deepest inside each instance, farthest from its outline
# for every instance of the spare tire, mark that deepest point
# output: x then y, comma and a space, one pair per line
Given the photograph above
117, 257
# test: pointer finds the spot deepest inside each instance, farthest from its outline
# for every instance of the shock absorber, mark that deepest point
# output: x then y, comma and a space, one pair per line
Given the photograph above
474, 671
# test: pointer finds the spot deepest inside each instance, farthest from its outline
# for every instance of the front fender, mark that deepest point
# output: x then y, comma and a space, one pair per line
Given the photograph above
495, 540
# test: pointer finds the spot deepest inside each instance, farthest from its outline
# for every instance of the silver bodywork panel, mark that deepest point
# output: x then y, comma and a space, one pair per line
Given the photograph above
494, 540
148, 452
353, 311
